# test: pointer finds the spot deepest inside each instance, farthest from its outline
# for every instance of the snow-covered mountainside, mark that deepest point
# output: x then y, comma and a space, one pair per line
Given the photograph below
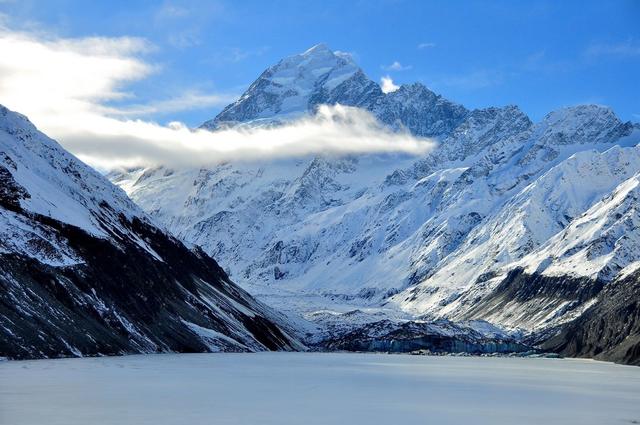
518, 223
83, 271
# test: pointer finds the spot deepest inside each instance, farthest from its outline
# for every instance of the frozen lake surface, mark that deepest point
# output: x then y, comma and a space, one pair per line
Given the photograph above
316, 388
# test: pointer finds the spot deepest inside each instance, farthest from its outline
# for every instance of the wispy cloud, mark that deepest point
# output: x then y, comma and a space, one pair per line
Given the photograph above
540, 62
396, 66
183, 21
172, 11
235, 54
628, 48
66, 85
387, 85
187, 101
426, 45
184, 39
40, 74
474, 80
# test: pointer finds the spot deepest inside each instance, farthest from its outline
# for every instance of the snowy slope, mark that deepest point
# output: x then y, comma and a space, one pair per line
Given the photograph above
501, 202
51, 182
286, 90
600, 243
527, 220
359, 229
84, 271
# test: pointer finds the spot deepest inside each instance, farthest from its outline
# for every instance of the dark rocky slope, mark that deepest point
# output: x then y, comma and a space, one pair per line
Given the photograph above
533, 299
84, 272
607, 315
608, 330
121, 300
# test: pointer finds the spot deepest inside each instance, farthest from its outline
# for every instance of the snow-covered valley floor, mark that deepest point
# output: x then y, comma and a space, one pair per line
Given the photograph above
317, 388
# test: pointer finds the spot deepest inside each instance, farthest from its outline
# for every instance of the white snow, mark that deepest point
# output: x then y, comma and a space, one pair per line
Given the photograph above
293, 80
59, 186
344, 233
213, 338
606, 235
316, 388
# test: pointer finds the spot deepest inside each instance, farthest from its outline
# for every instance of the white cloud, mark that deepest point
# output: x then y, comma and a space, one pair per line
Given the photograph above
334, 130
387, 85
426, 45
184, 39
66, 76
235, 54
183, 21
65, 85
396, 66
172, 11
628, 48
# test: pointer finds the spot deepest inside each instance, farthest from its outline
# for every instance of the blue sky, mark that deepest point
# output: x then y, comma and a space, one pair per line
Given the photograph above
540, 55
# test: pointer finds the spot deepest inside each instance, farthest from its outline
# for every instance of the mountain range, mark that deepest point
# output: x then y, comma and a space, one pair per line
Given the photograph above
521, 225
510, 235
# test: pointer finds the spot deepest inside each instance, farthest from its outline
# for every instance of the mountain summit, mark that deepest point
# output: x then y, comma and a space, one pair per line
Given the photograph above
296, 85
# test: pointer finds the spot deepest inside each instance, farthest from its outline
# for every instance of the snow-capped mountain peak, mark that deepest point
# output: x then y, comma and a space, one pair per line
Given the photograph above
292, 87
318, 49
318, 66
298, 84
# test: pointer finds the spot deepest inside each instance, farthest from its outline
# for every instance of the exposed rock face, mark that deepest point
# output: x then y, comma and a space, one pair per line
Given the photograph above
83, 271
419, 110
609, 329
536, 300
